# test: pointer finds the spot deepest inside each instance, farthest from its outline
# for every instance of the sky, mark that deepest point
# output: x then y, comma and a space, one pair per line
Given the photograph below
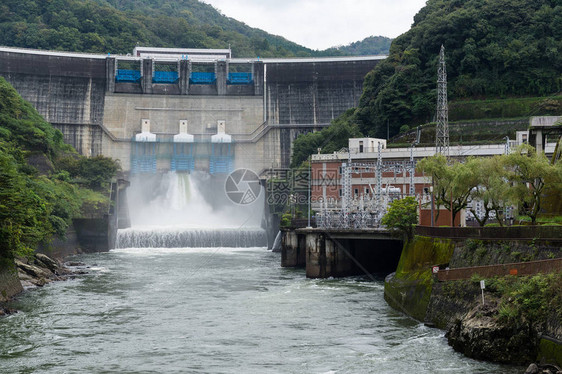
320, 24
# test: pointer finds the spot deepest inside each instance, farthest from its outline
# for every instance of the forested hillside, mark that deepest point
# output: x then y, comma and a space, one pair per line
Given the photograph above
494, 48
372, 45
43, 182
117, 26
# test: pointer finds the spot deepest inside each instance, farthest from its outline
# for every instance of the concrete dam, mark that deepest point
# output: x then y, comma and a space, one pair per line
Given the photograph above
164, 109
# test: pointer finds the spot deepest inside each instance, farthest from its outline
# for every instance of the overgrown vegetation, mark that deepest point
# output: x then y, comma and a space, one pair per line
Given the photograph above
40, 192
512, 107
528, 299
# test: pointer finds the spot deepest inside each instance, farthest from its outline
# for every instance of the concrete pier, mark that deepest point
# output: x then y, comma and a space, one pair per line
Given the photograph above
339, 253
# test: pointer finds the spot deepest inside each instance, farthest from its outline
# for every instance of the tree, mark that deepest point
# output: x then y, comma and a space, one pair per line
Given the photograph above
402, 215
452, 184
530, 172
491, 187
24, 215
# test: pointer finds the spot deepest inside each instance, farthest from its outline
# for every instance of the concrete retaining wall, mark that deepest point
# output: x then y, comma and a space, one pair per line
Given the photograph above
324, 255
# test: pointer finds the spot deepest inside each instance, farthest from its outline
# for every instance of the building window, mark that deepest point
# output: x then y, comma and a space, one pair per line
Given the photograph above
366, 191
339, 170
356, 191
341, 193
360, 146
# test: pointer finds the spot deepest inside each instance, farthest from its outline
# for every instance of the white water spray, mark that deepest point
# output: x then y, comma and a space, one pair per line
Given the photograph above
188, 210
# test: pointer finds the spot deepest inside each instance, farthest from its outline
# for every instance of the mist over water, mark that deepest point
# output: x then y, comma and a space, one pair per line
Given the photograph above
189, 210
192, 200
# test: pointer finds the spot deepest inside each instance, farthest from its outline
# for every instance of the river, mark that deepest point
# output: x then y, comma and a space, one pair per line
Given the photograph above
217, 310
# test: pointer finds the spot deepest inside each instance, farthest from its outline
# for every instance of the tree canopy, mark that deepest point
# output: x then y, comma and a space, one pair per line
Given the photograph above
493, 48
42, 180
372, 45
117, 26
519, 179
402, 215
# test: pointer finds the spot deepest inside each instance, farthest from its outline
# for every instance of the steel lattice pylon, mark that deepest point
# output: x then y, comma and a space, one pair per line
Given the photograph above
365, 210
442, 129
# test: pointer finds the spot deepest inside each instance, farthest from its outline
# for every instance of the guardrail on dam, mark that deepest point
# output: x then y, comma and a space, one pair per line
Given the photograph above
102, 103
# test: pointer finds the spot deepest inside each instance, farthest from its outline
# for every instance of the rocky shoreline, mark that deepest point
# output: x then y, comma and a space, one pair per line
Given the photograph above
518, 324
40, 270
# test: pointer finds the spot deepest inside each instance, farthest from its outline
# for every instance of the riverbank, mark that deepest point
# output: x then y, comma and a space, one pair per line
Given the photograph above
519, 322
21, 274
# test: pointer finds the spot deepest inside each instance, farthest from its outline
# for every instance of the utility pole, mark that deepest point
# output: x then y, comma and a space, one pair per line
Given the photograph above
442, 128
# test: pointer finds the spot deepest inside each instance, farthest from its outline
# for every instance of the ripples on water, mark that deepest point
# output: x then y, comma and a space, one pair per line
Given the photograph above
217, 311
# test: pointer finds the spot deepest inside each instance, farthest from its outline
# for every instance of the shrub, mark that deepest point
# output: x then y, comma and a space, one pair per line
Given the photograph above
402, 215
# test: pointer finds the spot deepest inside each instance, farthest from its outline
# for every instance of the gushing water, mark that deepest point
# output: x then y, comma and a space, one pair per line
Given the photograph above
180, 237
175, 210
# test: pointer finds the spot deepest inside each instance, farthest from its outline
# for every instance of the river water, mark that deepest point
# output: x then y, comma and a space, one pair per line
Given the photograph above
217, 310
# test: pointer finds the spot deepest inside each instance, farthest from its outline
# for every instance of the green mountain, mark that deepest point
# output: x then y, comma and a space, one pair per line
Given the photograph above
117, 26
372, 45
504, 60
494, 49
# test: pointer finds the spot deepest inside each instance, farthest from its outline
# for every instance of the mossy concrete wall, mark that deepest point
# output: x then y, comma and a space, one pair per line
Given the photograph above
409, 289
9, 282
550, 351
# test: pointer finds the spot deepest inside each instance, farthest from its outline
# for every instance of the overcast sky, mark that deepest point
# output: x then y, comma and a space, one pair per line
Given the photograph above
320, 24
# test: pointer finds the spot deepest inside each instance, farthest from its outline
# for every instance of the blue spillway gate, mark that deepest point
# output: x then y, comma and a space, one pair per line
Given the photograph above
202, 78
143, 158
240, 78
165, 77
221, 160
125, 75
182, 157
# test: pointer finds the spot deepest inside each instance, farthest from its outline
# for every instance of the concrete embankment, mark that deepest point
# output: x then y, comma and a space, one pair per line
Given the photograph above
501, 329
340, 252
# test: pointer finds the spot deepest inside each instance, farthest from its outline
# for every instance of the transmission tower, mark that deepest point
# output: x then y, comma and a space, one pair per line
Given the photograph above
442, 129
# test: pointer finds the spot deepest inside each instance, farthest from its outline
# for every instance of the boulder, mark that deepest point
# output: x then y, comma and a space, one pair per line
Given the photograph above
34, 271
45, 261
480, 335
532, 369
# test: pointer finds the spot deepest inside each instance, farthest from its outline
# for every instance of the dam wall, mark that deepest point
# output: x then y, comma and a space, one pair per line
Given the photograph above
314, 91
98, 113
